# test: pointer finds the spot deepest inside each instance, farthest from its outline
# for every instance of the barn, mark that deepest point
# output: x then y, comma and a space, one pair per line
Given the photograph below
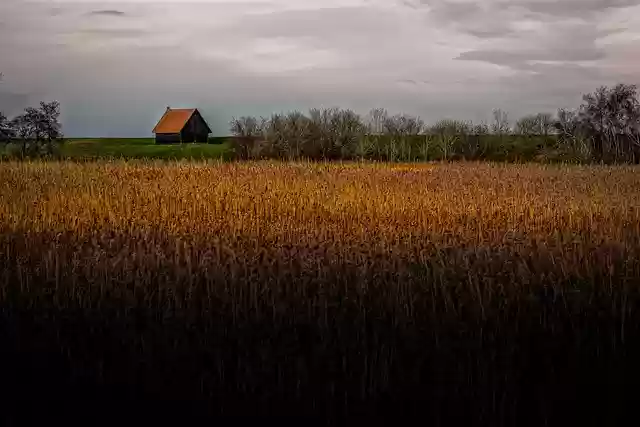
180, 126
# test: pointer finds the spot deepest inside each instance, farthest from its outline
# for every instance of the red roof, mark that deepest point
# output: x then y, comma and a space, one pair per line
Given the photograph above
174, 120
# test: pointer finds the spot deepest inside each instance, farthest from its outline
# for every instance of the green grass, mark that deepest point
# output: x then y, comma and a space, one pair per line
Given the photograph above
139, 148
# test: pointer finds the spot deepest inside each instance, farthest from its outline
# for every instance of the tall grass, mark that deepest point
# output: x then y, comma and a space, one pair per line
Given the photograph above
482, 294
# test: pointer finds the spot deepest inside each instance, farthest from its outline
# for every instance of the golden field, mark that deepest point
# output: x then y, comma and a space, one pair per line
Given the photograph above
330, 288
314, 205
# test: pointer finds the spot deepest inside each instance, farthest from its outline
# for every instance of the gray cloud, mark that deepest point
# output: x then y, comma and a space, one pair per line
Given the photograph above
461, 10
526, 59
107, 12
477, 19
573, 8
495, 18
436, 58
488, 33
562, 42
111, 32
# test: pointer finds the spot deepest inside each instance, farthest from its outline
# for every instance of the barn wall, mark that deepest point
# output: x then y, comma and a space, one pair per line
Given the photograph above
196, 130
187, 135
168, 138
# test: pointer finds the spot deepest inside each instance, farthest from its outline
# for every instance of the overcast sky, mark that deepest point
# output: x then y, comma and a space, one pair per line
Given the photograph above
116, 65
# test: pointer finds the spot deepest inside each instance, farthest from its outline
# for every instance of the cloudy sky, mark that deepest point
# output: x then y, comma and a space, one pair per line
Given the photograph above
116, 65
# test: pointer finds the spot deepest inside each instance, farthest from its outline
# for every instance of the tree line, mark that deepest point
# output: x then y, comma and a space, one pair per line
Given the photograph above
36, 132
604, 128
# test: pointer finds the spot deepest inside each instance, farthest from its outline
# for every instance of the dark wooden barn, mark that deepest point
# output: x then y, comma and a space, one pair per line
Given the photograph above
181, 125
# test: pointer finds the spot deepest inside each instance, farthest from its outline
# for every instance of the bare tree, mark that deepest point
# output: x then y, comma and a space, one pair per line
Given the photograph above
528, 125
573, 136
349, 129
247, 130
245, 126
296, 128
403, 124
366, 145
376, 121
49, 114
612, 117
500, 125
567, 123
25, 129
321, 141
426, 143
401, 130
472, 139
608, 122
449, 132
544, 124
481, 128
276, 135
325, 133
373, 142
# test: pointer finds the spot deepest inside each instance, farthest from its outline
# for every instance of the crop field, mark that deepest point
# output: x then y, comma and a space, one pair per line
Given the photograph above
466, 293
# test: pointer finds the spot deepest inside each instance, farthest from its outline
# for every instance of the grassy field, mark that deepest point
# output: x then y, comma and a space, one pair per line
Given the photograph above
131, 148
459, 294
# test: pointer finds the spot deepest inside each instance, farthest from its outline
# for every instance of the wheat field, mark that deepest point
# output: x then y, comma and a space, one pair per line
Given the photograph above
364, 290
